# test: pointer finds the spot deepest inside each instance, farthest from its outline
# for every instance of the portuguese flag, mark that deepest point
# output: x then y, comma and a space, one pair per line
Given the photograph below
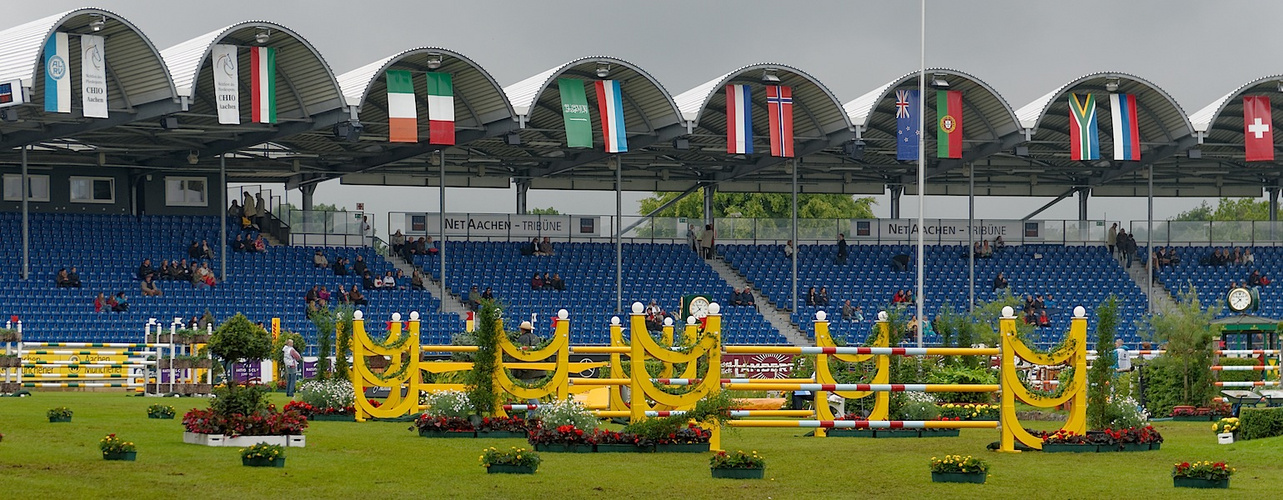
949, 129
262, 64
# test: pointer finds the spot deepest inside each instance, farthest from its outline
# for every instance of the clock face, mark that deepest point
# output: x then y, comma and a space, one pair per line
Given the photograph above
1239, 299
699, 307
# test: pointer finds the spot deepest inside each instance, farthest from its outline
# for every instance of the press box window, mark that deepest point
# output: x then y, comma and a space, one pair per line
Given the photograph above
93, 190
186, 192
37, 187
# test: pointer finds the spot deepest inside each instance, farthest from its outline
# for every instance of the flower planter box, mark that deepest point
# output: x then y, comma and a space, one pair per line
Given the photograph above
447, 434
128, 456
959, 477
161, 417
1225, 438
1192, 482
682, 448
868, 433
896, 433
336, 417
263, 462
624, 448
941, 433
1068, 448
59, 419
1134, 447
738, 473
510, 469
564, 448
501, 434
1155, 446
243, 441
1192, 418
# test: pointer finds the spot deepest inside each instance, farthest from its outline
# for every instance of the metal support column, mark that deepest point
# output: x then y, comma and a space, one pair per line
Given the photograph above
922, 169
1149, 243
709, 192
971, 238
441, 226
896, 191
26, 219
1274, 211
307, 190
619, 234
796, 246
1083, 194
523, 189
222, 231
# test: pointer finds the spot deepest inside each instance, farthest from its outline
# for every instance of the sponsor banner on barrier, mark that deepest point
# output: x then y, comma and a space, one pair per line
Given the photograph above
764, 366
954, 230
504, 225
64, 370
262, 371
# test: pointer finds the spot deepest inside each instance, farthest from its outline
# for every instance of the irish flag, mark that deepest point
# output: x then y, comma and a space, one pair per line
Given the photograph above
403, 117
440, 108
262, 64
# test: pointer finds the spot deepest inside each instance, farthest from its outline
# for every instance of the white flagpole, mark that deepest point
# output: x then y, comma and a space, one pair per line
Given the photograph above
922, 158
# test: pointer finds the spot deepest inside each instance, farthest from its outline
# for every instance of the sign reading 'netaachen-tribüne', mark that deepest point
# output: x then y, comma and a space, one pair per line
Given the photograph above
505, 225
945, 229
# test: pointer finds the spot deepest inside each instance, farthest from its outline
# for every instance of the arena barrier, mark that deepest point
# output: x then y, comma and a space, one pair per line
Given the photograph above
646, 398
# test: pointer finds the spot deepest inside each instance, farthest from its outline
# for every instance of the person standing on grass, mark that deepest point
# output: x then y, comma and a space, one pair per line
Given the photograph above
292, 359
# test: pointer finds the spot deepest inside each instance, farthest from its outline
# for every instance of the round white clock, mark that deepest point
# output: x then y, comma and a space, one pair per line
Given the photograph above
1239, 299
699, 307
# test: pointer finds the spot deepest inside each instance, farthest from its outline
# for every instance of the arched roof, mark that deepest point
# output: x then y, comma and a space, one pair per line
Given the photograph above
1161, 117
309, 85
1215, 118
481, 98
989, 123
648, 107
816, 111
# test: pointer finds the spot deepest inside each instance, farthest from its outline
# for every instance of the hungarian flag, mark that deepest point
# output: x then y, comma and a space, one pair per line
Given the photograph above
262, 64
739, 120
403, 113
949, 132
610, 103
1126, 128
1258, 128
1083, 142
440, 108
779, 105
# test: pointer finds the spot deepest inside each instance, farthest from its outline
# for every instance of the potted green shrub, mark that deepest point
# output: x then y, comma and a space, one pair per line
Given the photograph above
60, 414
263, 455
160, 411
958, 469
514, 460
1202, 475
737, 465
114, 448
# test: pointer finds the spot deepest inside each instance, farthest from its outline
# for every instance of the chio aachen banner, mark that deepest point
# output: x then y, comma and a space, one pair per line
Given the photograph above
504, 225
954, 230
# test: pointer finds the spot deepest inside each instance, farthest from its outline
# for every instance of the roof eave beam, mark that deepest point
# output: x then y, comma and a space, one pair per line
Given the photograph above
141, 112
975, 154
810, 147
635, 143
320, 121
1154, 156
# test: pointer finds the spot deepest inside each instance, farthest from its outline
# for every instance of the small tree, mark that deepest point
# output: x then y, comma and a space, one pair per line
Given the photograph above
237, 339
1098, 414
480, 381
343, 345
1183, 374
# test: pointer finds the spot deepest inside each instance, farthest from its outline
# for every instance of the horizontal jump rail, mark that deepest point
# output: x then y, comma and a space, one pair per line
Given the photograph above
92, 344
885, 351
869, 424
77, 384
78, 375
140, 364
1258, 383
868, 387
83, 353
1243, 368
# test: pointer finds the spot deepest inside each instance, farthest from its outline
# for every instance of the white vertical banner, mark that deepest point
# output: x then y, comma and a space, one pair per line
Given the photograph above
57, 83
93, 76
226, 84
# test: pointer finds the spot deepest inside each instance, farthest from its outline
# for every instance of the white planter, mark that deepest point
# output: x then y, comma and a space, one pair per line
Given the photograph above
1225, 438
243, 441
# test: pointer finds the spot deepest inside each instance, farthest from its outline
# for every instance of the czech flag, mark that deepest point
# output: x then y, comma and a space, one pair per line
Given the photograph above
739, 119
610, 103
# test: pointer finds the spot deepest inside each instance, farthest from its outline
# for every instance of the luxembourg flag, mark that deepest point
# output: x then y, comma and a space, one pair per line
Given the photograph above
1126, 131
739, 119
262, 63
611, 105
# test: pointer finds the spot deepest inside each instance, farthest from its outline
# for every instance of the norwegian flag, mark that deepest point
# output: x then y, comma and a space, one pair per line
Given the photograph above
779, 105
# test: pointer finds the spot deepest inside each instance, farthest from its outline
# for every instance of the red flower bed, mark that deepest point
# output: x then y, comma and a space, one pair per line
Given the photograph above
268, 423
566, 434
503, 424
427, 422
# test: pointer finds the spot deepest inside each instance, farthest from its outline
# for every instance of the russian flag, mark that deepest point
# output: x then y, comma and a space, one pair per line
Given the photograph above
1126, 130
739, 119
611, 105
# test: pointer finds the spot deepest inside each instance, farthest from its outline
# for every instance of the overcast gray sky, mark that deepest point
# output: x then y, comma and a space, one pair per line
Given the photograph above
1197, 51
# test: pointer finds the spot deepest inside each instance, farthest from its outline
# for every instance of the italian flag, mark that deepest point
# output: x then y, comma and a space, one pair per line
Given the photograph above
262, 64
403, 117
440, 109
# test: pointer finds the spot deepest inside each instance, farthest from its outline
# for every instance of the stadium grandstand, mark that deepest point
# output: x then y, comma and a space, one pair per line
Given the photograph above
101, 183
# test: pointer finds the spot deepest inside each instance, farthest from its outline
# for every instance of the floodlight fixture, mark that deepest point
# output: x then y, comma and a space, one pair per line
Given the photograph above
1111, 84
603, 69
263, 35
97, 21
769, 76
938, 81
434, 61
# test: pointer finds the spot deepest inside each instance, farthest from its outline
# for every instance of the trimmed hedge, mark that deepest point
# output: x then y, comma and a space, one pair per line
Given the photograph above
1259, 423
1240, 376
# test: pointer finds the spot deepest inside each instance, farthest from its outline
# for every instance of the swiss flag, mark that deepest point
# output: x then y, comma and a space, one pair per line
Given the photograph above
1258, 128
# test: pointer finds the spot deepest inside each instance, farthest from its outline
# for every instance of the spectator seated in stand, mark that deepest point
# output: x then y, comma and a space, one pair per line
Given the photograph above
655, 316
61, 280
812, 298
356, 298
530, 248
998, 244
206, 252
145, 270
260, 245
340, 295
545, 247
746, 296
397, 242
1257, 280
986, 251
100, 303
149, 289
536, 283
1248, 258
822, 299
734, 298
999, 281
548, 284
311, 296
340, 266
788, 249
428, 247
369, 283
323, 296
474, 298
193, 250
358, 267
319, 260
488, 294
73, 278
558, 283
178, 271
119, 303
416, 280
